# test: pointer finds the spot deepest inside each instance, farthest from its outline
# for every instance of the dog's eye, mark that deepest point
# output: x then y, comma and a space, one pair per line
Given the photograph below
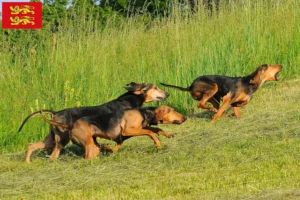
155, 87
168, 110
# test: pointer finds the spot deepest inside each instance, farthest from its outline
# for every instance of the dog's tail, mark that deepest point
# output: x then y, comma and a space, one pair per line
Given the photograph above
65, 126
35, 114
176, 87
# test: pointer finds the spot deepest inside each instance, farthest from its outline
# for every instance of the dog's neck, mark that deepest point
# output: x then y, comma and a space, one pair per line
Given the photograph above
134, 100
249, 81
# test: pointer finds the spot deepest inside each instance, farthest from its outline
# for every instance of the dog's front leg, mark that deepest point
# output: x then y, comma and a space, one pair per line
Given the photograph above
226, 103
159, 131
236, 111
140, 132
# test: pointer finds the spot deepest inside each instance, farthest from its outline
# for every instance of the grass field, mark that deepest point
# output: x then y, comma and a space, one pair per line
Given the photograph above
256, 157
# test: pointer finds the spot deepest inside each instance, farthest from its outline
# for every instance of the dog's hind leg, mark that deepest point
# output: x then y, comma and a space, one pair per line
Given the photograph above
48, 143
114, 149
61, 140
117, 147
208, 92
96, 142
91, 149
215, 102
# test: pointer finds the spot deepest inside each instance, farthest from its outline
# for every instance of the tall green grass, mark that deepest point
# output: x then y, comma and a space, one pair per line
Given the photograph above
82, 66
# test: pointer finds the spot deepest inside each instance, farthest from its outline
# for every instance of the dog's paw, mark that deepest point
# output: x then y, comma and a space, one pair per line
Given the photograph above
213, 109
170, 135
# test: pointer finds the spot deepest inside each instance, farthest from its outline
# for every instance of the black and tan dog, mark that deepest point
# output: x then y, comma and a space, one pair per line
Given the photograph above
233, 91
137, 95
119, 126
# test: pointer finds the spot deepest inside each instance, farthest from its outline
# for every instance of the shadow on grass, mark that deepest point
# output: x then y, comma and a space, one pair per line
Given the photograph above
205, 114
69, 152
209, 114
78, 152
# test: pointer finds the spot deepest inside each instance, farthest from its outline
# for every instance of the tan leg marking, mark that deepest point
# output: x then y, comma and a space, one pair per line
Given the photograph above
226, 103
141, 132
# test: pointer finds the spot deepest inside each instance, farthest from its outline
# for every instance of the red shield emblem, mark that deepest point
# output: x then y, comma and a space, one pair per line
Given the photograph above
21, 15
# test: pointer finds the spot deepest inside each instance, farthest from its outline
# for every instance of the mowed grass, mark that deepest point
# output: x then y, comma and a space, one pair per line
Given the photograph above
255, 157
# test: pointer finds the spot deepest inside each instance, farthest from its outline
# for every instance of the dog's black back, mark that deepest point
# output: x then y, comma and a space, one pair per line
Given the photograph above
227, 84
125, 101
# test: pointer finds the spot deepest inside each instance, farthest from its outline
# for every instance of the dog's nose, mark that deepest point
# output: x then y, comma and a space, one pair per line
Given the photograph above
184, 118
167, 94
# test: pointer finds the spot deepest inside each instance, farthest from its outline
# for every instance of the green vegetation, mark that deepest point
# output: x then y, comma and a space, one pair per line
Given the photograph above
256, 156
86, 63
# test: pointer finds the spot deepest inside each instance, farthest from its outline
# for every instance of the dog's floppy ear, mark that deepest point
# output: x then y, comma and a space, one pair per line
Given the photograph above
257, 75
140, 90
159, 114
132, 86
264, 67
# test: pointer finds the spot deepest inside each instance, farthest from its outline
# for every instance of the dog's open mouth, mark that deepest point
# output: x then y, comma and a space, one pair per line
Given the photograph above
161, 98
177, 122
171, 122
